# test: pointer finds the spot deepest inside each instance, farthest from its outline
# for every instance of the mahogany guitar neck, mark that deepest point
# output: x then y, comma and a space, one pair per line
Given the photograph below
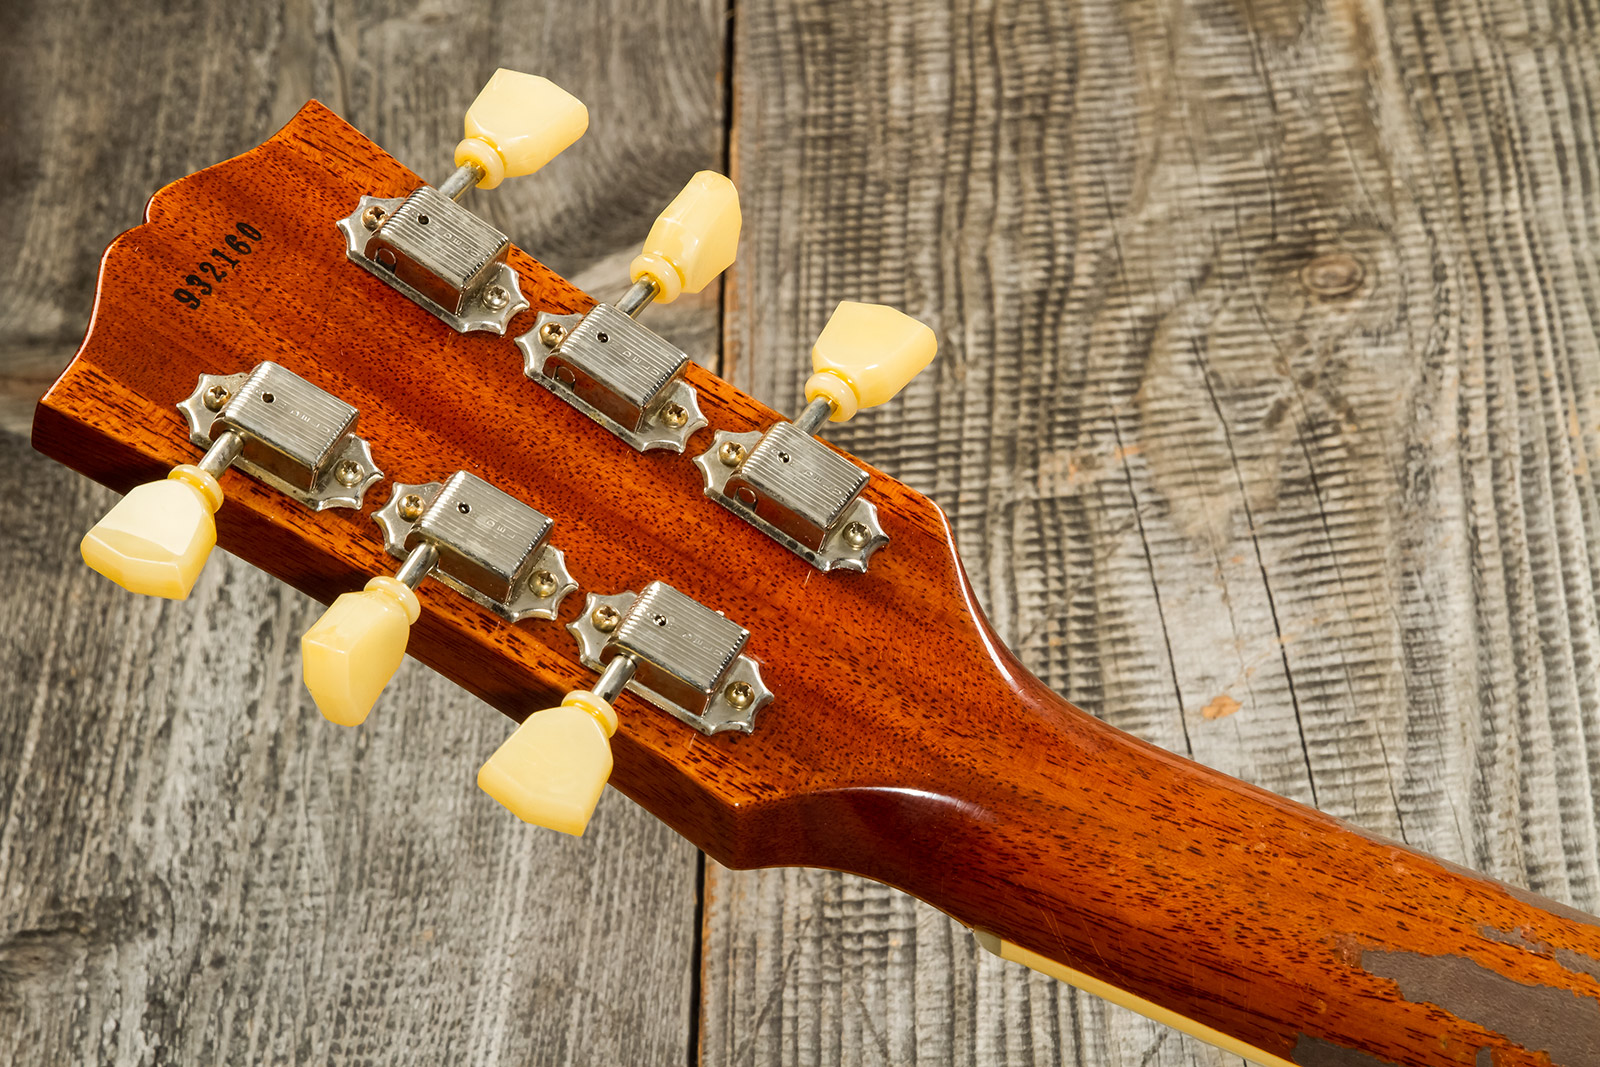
903, 742
1256, 923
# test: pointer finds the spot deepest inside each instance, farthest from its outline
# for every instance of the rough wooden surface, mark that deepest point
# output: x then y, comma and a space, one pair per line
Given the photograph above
1329, 534
1337, 544
194, 867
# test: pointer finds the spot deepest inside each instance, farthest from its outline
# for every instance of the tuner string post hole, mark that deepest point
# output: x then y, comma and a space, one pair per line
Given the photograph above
621, 375
666, 647
785, 481
466, 534
268, 423
442, 256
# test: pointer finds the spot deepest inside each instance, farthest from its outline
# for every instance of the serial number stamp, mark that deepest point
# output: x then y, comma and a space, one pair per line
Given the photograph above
208, 274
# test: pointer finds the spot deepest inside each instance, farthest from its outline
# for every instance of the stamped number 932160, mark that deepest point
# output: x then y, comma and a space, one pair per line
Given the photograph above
208, 273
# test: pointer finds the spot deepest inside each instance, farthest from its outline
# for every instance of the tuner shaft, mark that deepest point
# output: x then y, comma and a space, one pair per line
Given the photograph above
419, 563
638, 296
467, 176
223, 451
815, 414
615, 678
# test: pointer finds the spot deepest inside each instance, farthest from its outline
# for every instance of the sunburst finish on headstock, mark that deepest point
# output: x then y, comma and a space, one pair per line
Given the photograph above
901, 741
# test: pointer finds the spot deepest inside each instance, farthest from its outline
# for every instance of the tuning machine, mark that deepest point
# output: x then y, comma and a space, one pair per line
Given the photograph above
473, 537
492, 547
271, 424
438, 253
789, 484
686, 659
620, 374
665, 646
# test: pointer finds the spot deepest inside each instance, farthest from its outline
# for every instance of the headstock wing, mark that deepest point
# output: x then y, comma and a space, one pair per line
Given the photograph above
880, 678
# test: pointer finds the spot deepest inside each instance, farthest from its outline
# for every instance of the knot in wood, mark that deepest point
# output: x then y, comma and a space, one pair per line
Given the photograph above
1335, 274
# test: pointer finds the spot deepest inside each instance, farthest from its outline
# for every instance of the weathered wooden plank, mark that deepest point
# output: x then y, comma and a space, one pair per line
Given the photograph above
1128, 196
108, 102
1264, 416
194, 867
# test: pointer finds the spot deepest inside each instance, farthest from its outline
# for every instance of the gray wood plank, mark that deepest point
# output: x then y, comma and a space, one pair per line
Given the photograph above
1105, 207
1265, 416
194, 867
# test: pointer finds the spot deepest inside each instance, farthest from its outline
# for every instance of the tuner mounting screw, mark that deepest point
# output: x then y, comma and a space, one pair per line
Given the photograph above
740, 695
551, 333
674, 416
855, 534
731, 453
411, 506
371, 217
215, 397
348, 473
605, 618
495, 297
544, 583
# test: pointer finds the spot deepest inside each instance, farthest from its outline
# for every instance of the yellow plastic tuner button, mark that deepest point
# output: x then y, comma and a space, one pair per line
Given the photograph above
518, 123
693, 240
552, 770
156, 539
355, 648
865, 355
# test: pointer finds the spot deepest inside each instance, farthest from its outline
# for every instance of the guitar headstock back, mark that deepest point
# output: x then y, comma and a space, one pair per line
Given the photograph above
883, 682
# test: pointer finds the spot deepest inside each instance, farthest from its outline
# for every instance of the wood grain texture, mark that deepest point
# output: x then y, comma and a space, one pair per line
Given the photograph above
1331, 538
1046, 533
193, 866
197, 868
936, 764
